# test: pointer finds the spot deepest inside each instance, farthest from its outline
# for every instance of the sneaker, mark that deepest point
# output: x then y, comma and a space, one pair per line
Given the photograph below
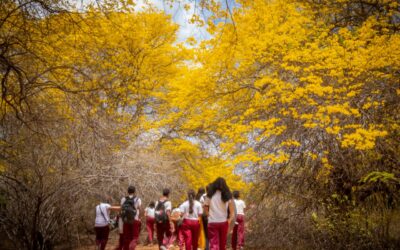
163, 248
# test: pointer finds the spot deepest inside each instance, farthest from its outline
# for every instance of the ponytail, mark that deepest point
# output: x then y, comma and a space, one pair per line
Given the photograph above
191, 196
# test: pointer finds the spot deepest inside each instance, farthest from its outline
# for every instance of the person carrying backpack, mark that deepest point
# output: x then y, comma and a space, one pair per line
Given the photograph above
130, 208
163, 221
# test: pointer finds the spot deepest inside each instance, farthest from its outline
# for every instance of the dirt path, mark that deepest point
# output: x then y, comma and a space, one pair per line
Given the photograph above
112, 247
113, 243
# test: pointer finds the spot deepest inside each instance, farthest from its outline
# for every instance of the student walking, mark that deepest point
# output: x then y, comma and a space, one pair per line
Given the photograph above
149, 214
177, 229
203, 239
217, 204
101, 224
191, 211
163, 221
238, 230
130, 209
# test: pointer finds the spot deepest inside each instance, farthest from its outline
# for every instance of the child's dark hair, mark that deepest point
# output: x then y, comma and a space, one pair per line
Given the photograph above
131, 189
165, 192
152, 204
236, 194
200, 193
219, 184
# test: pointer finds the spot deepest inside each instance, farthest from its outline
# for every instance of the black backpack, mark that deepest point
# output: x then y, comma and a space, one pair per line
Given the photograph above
128, 210
160, 212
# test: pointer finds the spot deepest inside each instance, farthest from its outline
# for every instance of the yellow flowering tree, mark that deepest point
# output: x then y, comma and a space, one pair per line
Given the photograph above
301, 97
75, 89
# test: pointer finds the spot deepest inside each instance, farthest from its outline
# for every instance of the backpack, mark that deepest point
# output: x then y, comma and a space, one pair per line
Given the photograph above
160, 213
128, 210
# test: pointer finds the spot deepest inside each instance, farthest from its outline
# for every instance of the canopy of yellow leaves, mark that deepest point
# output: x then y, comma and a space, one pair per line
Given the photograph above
278, 82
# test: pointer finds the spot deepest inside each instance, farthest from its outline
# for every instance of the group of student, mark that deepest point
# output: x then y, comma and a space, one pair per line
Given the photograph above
202, 221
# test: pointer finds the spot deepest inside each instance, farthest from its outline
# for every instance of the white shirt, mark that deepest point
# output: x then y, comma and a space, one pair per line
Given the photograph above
150, 212
203, 198
240, 206
102, 215
218, 210
197, 210
175, 213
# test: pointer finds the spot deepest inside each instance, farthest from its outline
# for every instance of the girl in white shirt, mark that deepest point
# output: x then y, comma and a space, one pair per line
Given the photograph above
238, 230
191, 212
149, 213
217, 204
101, 224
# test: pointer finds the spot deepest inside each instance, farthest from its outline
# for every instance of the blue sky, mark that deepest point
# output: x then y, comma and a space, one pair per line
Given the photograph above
178, 13
181, 16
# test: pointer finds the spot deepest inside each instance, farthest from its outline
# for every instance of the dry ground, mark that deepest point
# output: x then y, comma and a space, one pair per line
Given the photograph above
113, 242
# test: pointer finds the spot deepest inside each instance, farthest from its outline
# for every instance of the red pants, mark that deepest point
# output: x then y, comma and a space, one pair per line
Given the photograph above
163, 229
238, 232
150, 228
102, 236
131, 235
190, 230
179, 235
217, 235
176, 235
